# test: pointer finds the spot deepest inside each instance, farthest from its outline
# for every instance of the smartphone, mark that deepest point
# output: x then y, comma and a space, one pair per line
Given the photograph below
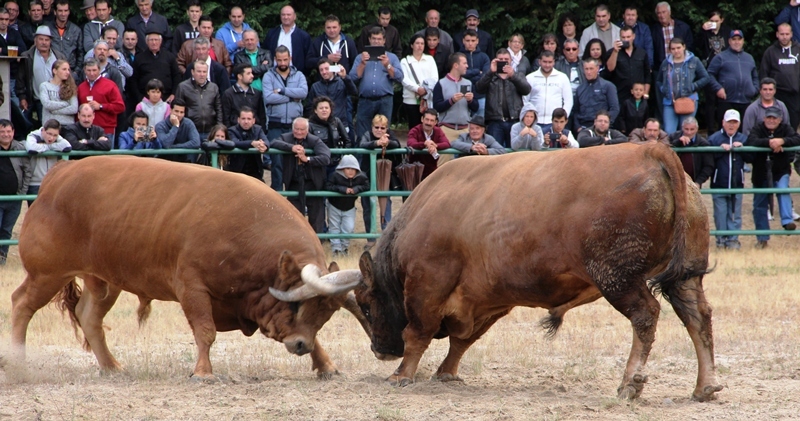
501, 65
625, 45
712, 25
465, 89
335, 68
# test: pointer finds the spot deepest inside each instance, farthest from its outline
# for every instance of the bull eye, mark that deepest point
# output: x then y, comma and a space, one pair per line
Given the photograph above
294, 306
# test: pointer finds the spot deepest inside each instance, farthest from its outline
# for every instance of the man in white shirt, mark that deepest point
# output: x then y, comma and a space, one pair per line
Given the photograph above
550, 89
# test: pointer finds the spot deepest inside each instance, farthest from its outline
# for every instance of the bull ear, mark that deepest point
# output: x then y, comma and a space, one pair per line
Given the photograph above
288, 270
333, 267
365, 264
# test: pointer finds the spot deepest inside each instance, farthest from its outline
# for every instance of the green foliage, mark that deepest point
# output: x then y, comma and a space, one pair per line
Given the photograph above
500, 18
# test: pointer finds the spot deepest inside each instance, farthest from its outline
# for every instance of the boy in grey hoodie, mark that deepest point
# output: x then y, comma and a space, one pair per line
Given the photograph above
349, 180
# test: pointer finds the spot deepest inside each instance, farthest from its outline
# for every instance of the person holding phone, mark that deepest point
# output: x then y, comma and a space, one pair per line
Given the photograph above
454, 100
375, 76
504, 89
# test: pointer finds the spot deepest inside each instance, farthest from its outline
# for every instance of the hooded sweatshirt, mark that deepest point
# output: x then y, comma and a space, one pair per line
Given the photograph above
35, 144
526, 141
338, 182
230, 37
157, 112
781, 64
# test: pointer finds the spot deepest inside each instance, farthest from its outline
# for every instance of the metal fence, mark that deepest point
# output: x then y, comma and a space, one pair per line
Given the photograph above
374, 193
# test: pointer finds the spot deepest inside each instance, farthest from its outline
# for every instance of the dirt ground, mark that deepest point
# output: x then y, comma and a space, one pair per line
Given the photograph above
512, 373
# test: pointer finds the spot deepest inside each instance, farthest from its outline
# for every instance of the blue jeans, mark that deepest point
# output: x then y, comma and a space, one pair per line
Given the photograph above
761, 206
481, 107
728, 216
672, 121
501, 132
369, 108
340, 222
366, 204
9, 212
277, 160
32, 190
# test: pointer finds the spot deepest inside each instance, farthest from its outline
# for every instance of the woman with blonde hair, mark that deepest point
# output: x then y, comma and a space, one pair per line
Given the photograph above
59, 95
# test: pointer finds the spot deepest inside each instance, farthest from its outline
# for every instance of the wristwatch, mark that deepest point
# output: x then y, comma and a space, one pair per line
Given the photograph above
389, 66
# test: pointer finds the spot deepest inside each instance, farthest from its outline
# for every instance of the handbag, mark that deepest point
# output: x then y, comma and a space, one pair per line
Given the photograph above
683, 106
423, 103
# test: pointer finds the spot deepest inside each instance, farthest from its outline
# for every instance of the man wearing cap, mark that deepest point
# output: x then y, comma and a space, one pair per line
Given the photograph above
147, 21
772, 133
728, 175
35, 70
93, 30
155, 63
485, 43
67, 37
734, 76
476, 141
780, 62
88, 10
391, 36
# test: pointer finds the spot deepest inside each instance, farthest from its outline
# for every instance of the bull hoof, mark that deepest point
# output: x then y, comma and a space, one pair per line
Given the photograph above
447, 377
398, 381
204, 378
327, 375
633, 389
707, 394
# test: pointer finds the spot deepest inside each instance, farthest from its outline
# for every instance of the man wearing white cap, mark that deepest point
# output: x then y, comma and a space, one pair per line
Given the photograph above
36, 70
728, 175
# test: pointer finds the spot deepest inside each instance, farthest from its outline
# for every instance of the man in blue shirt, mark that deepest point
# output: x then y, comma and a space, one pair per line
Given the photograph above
644, 38
375, 77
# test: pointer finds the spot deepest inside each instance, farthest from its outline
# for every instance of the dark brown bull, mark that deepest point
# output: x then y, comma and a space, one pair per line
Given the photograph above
554, 230
215, 242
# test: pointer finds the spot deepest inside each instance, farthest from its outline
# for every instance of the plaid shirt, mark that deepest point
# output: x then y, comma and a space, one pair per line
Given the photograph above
669, 33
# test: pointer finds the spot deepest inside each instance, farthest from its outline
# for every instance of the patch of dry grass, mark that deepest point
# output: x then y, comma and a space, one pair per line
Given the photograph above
513, 372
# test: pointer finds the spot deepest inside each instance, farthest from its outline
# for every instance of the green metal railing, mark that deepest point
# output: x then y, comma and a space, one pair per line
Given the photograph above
374, 193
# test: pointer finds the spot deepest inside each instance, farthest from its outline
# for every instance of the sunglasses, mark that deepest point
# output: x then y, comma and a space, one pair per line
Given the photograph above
379, 127
570, 49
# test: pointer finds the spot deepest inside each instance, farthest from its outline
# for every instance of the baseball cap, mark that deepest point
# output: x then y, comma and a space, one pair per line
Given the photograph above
737, 33
773, 112
472, 12
732, 115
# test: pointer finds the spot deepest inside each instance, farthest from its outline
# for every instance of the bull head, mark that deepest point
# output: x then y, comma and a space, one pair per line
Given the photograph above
314, 284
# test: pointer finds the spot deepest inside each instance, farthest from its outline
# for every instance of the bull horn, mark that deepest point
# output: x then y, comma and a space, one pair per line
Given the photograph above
333, 283
304, 292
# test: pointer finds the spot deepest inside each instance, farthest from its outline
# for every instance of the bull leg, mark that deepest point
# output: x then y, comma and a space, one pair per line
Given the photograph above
26, 300
97, 299
448, 371
417, 336
695, 313
321, 362
642, 309
197, 308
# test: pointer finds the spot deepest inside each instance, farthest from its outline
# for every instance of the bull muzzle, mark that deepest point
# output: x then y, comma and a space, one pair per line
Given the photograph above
314, 284
298, 346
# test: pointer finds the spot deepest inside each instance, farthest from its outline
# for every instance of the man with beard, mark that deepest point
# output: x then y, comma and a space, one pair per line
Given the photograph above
247, 134
600, 133
284, 89
242, 94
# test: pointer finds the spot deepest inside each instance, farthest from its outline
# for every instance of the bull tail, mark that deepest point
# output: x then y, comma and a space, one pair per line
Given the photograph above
67, 300
669, 282
143, 311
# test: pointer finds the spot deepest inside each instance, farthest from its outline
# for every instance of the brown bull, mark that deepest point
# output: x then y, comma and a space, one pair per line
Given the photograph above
553, 230
213, 241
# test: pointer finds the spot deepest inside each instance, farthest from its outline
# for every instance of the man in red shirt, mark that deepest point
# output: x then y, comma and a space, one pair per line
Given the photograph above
430, 137
103, 96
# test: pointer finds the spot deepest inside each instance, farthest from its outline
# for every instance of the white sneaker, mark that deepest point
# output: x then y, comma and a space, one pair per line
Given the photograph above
769, 216
795, 215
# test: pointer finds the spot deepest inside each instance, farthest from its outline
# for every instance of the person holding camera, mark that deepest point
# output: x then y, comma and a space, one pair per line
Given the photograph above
557, 133
84, 135
140, 135
627, 65
504, 89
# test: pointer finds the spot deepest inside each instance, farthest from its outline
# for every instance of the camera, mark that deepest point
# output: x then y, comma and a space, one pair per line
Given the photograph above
554, 137
501, 65
625, 45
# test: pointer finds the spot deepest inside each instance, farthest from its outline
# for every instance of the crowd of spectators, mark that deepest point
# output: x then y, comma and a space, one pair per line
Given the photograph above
199, 84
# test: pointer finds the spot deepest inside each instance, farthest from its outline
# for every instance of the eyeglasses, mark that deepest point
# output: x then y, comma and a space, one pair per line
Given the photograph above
570, 49
379, 127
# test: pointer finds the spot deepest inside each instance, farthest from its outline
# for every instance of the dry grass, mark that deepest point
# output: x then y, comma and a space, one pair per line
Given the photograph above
511, 373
